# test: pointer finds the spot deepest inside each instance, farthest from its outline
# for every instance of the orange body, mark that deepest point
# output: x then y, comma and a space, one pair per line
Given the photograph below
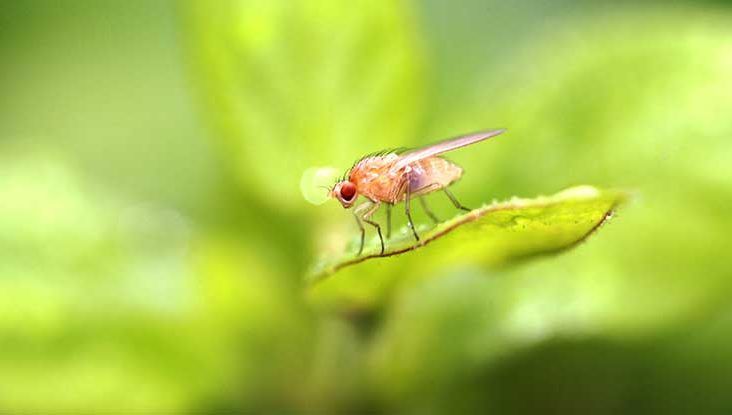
377, 179
391, 177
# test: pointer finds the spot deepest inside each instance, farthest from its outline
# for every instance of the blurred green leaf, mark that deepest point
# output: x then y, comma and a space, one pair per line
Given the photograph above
91, 287
101, 296
294, 84
491, 236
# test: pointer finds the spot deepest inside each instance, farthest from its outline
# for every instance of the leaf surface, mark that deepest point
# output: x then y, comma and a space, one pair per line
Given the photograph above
491, 236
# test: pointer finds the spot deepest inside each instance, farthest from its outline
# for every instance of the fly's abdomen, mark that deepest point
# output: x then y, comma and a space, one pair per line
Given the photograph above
431, 174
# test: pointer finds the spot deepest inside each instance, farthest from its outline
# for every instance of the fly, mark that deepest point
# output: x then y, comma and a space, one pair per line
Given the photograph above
392, 177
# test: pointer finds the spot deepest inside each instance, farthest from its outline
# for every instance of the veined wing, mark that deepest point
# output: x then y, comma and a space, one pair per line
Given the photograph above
443, 147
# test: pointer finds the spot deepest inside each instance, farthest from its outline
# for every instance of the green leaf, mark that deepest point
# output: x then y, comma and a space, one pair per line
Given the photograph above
94, 284
491, 236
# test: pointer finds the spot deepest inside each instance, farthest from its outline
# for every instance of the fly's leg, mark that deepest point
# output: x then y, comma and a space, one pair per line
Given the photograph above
428, 211
406, 210
455, 201
363, 213
378, 230
388, 221
363, 232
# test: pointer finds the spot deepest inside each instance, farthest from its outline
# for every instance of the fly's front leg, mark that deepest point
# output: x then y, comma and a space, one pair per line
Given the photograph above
363, 232
364, 213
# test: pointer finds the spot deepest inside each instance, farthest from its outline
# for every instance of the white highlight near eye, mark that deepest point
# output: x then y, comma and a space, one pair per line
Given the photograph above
316, 182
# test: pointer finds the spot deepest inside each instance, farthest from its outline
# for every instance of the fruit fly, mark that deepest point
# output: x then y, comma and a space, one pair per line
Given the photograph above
395, 176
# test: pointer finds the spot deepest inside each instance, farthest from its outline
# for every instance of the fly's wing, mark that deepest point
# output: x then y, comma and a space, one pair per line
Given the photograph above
442, 147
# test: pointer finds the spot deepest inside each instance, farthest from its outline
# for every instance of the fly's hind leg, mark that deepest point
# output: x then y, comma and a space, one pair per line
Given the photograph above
455, 201
428, 211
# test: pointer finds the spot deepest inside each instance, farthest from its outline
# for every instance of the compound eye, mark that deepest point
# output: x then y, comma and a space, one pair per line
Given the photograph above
348, 191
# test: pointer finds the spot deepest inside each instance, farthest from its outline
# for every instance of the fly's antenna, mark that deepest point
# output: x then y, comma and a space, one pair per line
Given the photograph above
327, 189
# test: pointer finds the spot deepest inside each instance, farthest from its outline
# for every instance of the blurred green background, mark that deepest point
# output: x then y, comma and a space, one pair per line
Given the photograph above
154, 238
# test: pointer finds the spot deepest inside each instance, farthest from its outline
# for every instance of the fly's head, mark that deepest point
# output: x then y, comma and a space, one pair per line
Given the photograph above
346, 193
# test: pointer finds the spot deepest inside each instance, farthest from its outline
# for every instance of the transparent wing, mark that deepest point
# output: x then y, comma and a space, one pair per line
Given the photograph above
450, 144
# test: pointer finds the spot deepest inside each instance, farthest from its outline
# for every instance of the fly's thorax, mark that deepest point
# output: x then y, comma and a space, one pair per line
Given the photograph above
373, 178
369, 168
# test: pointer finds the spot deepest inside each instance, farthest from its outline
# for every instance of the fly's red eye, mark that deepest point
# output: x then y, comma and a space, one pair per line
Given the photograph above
348, 191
